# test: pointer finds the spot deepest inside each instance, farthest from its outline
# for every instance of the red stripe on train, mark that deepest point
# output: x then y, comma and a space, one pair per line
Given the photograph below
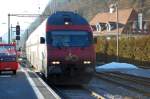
68, 27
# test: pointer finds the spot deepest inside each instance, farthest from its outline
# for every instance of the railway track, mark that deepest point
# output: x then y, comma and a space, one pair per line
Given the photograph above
74, 92
140, 80
94, 90
135, 83
71, 92
77, 92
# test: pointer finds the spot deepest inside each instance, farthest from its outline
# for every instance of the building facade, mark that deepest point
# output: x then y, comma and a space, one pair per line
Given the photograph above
129, 22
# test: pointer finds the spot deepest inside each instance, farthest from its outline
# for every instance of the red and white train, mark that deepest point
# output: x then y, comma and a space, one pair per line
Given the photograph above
8, 57
62, 49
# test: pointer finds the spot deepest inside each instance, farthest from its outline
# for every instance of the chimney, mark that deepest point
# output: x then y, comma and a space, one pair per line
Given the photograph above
111, 8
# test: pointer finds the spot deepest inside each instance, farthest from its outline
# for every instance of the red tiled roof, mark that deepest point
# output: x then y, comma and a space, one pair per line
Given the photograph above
123, 16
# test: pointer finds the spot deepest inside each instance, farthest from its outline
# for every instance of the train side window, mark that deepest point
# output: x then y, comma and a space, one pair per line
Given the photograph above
42, 40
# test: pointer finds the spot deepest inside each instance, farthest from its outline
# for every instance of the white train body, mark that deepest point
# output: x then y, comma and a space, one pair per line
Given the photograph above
37, 53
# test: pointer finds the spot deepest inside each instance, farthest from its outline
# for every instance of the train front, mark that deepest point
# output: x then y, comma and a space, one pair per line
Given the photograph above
71, 55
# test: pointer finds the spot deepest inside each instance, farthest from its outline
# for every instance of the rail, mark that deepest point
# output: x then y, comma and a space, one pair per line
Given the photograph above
135, 83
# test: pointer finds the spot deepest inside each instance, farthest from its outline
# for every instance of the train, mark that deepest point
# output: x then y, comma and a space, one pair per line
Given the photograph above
62, 49
8, 57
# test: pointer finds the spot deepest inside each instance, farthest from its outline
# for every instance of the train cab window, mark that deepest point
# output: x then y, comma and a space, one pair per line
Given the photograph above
42, 40
70, 38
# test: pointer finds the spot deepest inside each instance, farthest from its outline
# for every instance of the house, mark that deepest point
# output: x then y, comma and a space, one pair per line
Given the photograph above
128, 22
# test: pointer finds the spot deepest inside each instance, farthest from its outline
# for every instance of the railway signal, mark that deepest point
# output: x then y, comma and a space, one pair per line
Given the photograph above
17, 29
17, 32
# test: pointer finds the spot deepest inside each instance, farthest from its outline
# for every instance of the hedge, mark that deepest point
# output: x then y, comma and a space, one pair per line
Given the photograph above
135, 50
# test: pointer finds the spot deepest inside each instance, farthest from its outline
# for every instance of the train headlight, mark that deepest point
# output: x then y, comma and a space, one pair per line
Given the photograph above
86, 62
66, 23
55, 62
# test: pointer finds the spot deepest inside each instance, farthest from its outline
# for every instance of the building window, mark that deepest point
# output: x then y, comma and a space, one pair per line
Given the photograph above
98, 27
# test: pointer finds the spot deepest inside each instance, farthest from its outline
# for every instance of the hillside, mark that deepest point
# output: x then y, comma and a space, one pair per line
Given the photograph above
92, 7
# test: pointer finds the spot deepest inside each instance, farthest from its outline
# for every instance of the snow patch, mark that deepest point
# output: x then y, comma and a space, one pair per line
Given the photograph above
123, 68
115, 65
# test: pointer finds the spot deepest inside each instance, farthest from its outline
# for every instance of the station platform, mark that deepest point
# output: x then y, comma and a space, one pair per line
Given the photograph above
26, 84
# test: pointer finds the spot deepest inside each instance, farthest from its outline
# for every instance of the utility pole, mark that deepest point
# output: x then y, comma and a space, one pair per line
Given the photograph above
112, 8
140, 5
8, 28
117, 31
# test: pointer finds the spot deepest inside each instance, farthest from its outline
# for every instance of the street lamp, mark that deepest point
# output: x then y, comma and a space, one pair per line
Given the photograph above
112, 8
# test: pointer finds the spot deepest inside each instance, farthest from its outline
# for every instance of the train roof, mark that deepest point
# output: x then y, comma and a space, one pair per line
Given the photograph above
60, 17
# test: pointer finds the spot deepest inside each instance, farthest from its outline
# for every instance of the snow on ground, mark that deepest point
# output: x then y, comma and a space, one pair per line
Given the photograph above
124, 68
115, 65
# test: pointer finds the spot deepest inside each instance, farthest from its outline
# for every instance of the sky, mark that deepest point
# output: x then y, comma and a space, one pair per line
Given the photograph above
19, 7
